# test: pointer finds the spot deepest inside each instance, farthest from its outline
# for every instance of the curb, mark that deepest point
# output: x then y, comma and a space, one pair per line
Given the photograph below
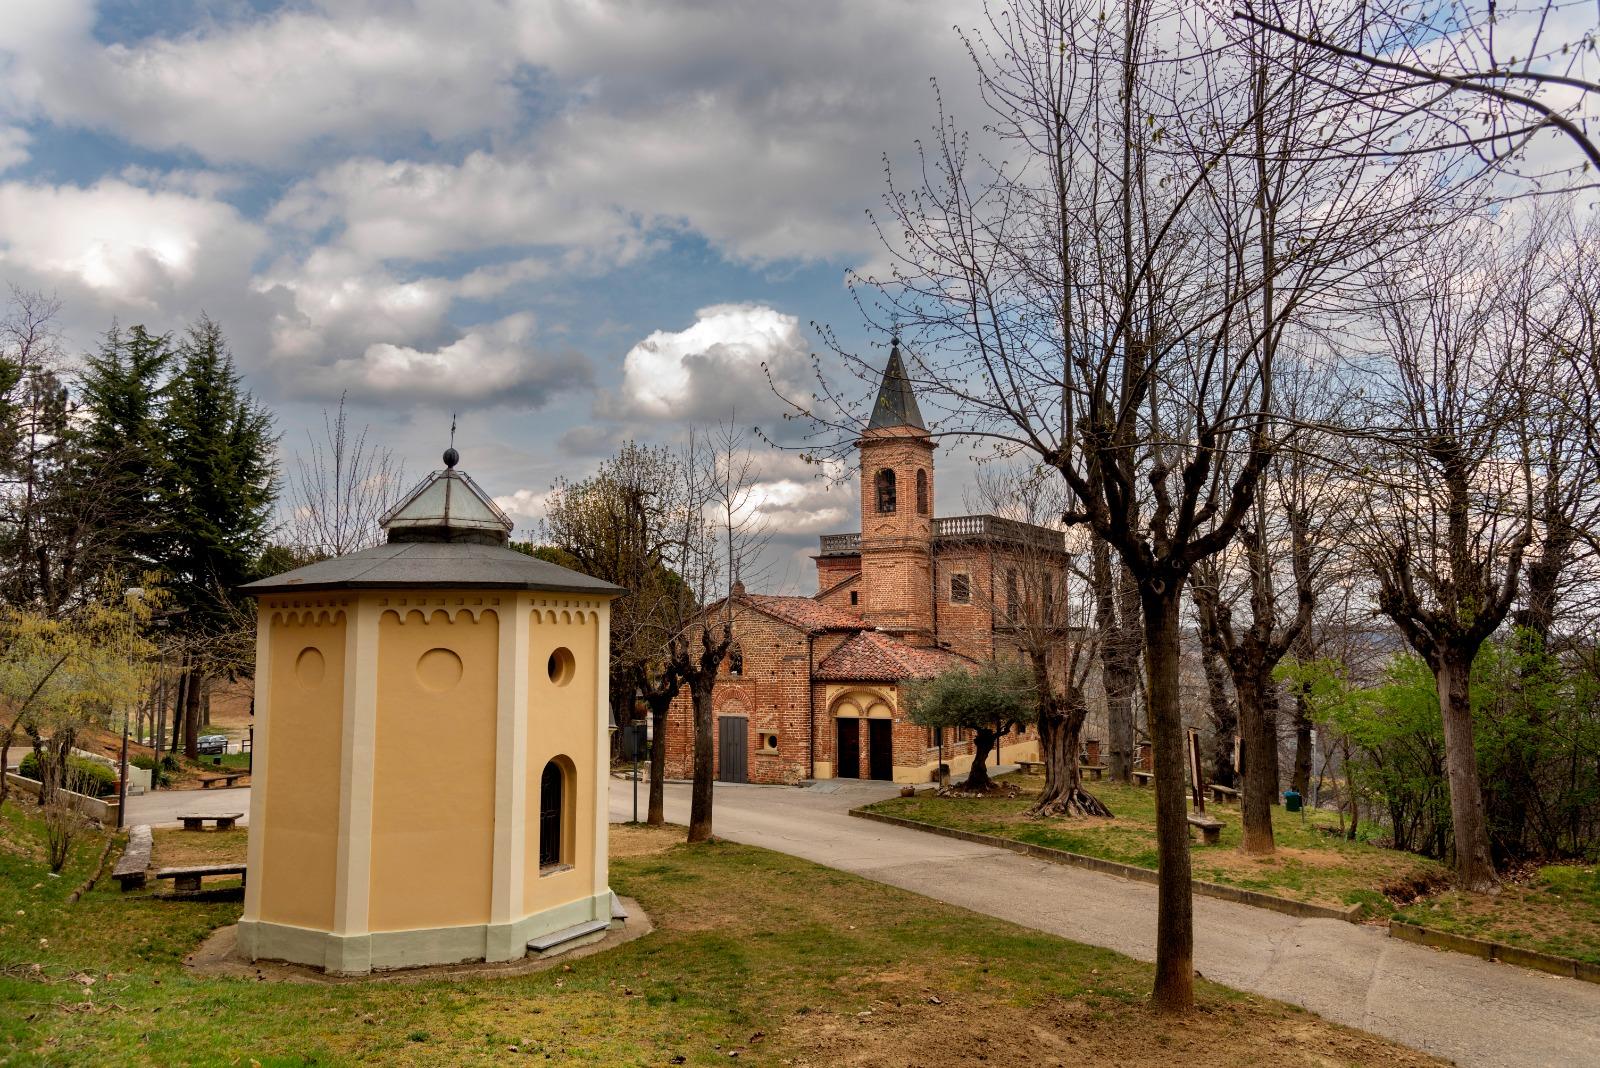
1300, 909
1498, 951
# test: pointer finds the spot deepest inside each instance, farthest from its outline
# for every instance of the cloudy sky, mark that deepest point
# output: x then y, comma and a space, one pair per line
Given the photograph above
571, 222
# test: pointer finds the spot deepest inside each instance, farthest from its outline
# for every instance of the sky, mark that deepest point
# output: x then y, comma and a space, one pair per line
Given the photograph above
568, 223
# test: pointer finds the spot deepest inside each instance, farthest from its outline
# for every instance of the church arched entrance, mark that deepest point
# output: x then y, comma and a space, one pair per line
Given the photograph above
863, 736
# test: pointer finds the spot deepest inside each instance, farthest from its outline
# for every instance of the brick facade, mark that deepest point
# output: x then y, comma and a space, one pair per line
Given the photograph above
911, 599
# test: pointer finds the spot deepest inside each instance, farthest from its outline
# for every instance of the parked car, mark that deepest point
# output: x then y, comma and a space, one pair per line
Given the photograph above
213, 744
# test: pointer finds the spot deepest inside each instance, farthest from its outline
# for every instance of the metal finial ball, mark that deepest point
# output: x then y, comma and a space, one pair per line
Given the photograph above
451, 457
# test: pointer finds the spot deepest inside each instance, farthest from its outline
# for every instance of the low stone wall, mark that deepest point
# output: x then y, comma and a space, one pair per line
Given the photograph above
1289, 907
93, 807
1477, 947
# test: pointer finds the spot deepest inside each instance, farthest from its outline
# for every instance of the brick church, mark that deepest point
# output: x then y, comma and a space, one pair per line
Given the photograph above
814, 687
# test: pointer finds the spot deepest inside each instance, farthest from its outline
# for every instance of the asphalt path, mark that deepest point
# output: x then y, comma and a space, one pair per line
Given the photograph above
1467, 1010
161, 808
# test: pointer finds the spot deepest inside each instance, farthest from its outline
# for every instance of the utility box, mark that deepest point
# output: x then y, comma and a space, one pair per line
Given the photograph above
431, 746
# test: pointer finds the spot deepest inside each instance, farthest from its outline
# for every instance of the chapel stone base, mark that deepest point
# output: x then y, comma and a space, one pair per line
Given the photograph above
359, 954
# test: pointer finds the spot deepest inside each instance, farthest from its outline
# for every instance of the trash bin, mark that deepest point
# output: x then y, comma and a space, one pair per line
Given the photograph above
1291, 801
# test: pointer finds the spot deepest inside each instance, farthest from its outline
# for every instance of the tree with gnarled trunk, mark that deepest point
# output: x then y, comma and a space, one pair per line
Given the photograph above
997, 697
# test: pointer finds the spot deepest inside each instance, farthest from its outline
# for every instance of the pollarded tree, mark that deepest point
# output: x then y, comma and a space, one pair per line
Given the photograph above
989, 701
1447, 517
1108, 287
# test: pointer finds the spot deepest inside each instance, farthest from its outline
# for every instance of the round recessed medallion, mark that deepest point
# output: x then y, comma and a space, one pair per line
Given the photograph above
309, 667
561, 666
438, 669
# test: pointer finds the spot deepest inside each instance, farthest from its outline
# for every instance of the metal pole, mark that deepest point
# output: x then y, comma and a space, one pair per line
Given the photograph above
634, 742
122, 785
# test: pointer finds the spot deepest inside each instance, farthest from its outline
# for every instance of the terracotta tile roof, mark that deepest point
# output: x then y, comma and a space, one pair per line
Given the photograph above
803, 612
874, 657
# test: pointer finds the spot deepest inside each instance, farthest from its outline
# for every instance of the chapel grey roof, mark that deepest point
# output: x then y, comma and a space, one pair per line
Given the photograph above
447, 533
433, 565
896, 404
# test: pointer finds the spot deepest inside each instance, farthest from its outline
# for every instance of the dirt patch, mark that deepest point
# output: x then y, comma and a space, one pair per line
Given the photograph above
172, 848
922, 1026
1415, 886
639, 840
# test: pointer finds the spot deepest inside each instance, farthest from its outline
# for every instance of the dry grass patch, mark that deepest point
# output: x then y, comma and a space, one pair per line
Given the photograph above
173, 848
640, 839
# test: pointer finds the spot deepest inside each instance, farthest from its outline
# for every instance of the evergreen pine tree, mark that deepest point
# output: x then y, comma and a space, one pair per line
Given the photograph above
123, 402
218, 492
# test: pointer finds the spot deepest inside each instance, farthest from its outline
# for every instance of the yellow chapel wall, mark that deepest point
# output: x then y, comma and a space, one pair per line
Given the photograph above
305, 697
561, 723
433, 799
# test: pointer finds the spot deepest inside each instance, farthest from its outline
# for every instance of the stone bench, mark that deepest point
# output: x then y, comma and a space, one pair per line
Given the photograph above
1210, 829
1094, 771
1222, 794
227, 779
1031, 767
1144, 778
135, 860
187, 880
224, 821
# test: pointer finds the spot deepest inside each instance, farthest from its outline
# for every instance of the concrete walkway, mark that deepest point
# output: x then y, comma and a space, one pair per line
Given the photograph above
161, 808
1467, 1010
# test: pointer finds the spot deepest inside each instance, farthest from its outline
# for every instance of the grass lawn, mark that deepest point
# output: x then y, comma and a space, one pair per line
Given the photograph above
1310, 865
1555, 909
755, 953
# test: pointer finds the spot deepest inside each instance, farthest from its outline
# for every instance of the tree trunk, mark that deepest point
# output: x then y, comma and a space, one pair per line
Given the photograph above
978, 780
1260, 762
1174, 984
1474, 866
1060, 735
700, 691
191, 714
176, 740
1117, 618
658, 761
1221, 712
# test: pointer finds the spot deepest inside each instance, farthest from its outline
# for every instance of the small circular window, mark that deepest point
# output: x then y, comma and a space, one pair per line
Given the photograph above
439, 670
561, 666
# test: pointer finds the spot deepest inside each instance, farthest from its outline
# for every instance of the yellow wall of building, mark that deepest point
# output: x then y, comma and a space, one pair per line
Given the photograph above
304, 726
434, 765
561, 724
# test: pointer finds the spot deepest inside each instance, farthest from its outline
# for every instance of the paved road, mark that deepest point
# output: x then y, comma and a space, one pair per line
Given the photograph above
1453, 1006
163, 807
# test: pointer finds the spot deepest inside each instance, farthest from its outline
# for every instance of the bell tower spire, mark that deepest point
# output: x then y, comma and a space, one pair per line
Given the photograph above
896, 453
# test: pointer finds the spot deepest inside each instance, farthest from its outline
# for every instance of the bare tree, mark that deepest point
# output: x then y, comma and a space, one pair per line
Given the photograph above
1447, 498
1109, 290
342, 487
721, 543
1479, 80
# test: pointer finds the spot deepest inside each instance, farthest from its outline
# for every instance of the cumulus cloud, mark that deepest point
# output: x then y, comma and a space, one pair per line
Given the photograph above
128, 246
496, 363
526, 507
718, 365
13, 147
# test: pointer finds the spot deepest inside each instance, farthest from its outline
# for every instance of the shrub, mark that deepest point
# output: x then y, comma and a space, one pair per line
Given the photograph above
84, 776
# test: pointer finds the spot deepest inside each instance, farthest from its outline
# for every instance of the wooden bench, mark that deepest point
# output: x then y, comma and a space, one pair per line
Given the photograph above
1031, 767
1220, 794
1095, 771
224, 821
226, 778
1210, 829
1144, 778
187, 880
135, 860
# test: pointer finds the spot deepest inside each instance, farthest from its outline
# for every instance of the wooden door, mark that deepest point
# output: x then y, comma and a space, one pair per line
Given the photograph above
880, 748
849, 749
733, 749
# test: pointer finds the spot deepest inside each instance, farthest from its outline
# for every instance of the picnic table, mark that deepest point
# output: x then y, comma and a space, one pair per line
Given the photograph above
227, 778
196, 821
187, 880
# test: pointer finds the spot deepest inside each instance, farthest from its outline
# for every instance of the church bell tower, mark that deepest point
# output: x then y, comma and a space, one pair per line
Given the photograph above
896, 454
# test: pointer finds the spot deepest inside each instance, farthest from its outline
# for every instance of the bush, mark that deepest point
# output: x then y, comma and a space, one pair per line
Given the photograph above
155, 767
84, 776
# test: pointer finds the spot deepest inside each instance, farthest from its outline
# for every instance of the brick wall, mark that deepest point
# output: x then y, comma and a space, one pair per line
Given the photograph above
896, 557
